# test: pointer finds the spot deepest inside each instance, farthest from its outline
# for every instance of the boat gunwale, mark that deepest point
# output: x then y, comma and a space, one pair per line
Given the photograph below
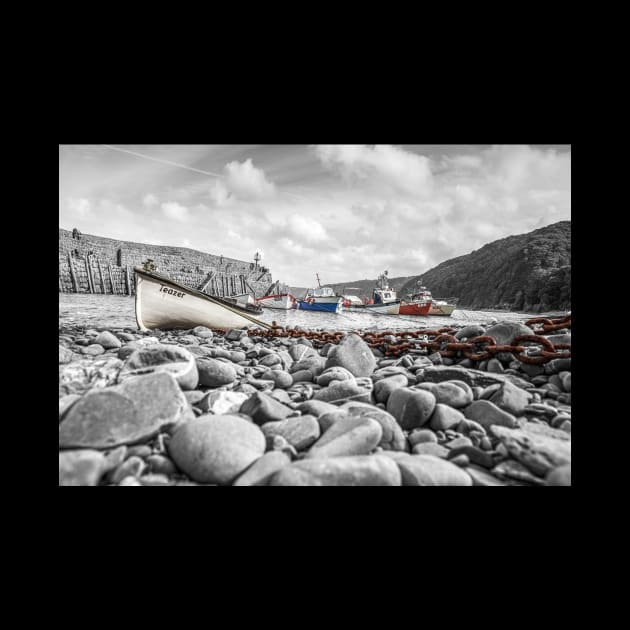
214, 300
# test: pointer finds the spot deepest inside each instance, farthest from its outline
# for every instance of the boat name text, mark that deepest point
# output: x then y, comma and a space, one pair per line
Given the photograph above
170, 291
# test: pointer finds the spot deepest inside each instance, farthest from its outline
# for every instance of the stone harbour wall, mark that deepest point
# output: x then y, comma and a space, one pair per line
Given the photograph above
82, 254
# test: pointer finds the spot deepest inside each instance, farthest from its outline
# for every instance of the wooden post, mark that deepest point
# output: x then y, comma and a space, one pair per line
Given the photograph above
89, 275
75, 284
111, 280
208, 281
127, 280
100, 275
222, 286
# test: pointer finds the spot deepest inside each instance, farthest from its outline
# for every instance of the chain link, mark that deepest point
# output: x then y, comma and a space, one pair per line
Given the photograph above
444, 342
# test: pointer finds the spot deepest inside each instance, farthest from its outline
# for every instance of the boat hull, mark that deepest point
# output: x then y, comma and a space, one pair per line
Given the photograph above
282, 301
441, 309
165, 304
392, 308
321, 304
415, 308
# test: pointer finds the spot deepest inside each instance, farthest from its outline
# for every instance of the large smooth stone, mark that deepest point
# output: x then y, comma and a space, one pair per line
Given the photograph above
504, 332
336, 373
341, 390
301, 351
216, 449
468, 332
537, 446
203, 332
163, 358
213, 373
350, 435
473, 378
221, 402
456, 394
445, 417
134, 411
280, 378
411, 407
261, 471
385, 386
108, 340
360, 470
65, 355
393, 438
430, 448
300, 431
353, 354
488, 414
428, 470
317, 408
80, 468
511, 399
263, 408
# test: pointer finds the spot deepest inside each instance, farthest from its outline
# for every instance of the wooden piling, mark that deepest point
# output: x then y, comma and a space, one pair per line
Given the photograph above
100, 275
127, 282
111, 280
75, 284
89, 275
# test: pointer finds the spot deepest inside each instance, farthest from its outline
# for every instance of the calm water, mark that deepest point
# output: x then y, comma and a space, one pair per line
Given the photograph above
117, 311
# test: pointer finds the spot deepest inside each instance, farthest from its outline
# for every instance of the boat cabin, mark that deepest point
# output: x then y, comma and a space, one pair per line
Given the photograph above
382, 293
321, 292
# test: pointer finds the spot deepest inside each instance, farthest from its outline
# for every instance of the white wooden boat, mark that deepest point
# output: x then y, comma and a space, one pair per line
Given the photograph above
283, 301
165, 304
389, 308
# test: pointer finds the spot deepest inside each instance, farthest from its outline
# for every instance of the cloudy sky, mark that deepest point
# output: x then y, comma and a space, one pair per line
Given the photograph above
347, 212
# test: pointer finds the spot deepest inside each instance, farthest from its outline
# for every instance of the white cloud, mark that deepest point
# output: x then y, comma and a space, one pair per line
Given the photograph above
150, 200
174, 210
393, 167
80, 208
306, 230
219, 194
248, 182
369, 209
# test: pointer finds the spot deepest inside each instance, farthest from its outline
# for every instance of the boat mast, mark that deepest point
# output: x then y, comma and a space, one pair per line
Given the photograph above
318, 282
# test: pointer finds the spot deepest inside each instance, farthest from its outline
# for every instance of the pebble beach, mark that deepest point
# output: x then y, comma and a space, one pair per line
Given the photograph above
202, 407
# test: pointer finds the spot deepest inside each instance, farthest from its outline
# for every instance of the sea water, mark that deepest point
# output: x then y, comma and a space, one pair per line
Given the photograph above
118, 311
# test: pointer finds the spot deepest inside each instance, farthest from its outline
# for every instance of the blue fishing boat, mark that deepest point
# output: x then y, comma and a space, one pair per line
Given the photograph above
321, 299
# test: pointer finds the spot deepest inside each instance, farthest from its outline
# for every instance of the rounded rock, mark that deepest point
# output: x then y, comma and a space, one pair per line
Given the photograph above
411, 407
214, 373
216, 449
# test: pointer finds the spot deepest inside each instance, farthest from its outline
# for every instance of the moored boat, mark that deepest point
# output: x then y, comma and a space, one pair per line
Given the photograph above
244, 300
438, 306
283, 301
165, 304
383, 302
321, 299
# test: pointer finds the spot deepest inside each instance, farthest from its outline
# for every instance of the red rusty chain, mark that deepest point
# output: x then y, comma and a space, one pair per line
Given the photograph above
478, 349
475, 341
524, 358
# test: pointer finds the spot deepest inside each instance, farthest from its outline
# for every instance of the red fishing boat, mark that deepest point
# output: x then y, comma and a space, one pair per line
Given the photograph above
414, 307
418, 304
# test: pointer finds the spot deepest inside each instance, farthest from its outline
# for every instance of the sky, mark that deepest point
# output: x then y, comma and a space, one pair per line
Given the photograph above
346, 212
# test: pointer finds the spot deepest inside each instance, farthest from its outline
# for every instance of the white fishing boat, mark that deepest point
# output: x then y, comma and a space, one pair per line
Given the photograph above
282, 301
383, 302
165, 304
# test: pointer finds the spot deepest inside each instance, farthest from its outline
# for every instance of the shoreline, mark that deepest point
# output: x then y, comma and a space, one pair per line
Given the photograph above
313, 408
